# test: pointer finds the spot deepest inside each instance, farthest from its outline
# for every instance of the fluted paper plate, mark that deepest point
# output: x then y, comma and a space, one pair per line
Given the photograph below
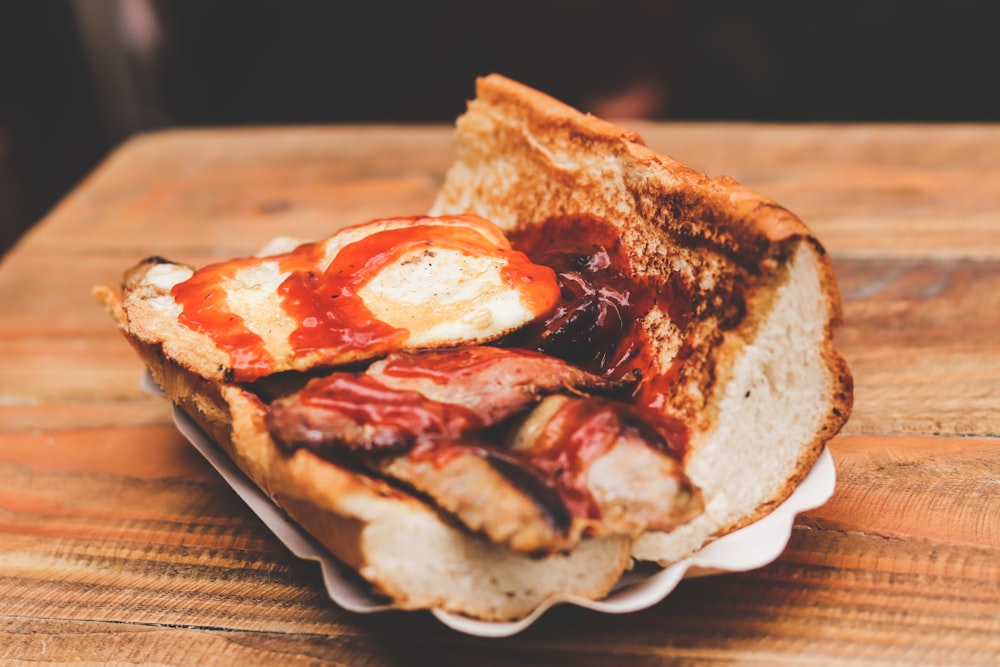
748, 548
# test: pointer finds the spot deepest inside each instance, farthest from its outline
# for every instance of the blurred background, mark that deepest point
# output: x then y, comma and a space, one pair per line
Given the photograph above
81, 76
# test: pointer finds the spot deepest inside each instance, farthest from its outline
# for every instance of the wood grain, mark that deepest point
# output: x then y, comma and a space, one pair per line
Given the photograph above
128, 555
922, 338
198, 196
119, 544
900, 191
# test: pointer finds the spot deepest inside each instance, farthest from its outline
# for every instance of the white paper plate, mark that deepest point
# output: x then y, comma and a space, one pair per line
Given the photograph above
746, 549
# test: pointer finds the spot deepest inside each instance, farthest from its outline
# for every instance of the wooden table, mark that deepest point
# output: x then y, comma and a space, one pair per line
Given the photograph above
119, 543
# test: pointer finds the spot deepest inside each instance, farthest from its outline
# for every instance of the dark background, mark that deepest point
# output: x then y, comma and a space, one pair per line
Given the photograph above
80, 76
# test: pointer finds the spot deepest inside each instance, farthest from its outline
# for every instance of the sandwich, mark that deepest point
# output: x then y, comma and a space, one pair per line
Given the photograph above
584, 356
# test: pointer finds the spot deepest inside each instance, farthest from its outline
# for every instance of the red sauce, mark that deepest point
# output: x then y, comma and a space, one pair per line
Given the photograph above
594, 323
332, 319
536, 282
458, 363
440, 453
597, 323
204, 309
584, 430
406, 415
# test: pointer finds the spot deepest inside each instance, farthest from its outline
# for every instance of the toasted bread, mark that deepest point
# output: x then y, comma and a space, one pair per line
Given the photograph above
406, 282
753, 365
393, 539
748, 362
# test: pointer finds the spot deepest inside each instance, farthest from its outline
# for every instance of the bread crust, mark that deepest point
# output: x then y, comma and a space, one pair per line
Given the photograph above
524, 157
754, 275
361, 519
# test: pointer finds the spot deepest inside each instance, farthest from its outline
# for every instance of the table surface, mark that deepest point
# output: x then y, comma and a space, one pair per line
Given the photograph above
119, 543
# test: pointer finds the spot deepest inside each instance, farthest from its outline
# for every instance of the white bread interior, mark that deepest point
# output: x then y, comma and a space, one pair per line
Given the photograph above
761, 384
395, 541
770, 411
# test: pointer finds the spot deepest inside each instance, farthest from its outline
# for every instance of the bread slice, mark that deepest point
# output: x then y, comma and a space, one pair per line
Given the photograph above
369, 289
751, 358
745, 358
393, 539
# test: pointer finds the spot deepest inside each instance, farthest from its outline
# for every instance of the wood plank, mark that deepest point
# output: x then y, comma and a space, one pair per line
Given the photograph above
900, 191
203, 195
917, 488
149, 537
866, 190
89, 642
131, 525
199, 195
84, 415
118, 543
874, 612
922, 338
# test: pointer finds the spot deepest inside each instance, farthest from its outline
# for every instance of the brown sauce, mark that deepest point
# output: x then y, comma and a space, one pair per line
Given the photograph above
597, 323
594, 324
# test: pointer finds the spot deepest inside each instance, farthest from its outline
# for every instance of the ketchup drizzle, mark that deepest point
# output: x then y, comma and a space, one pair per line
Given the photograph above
204, 309
582, 431
331, 317
591, 319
